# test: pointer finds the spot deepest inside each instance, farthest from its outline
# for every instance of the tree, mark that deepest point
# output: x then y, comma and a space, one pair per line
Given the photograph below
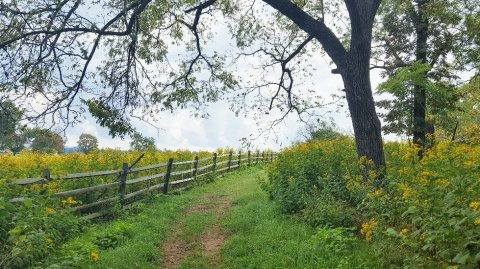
45, 141
142, 143
320, 131
457, 124
40, 40
87, 143
422, 48
11, 136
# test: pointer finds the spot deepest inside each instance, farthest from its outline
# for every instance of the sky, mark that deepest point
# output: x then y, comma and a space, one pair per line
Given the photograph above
180, 130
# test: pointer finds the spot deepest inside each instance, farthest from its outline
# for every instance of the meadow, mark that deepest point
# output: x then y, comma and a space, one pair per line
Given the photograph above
316, 201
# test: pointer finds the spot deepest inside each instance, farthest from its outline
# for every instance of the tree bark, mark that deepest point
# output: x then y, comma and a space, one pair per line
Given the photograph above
366, 125
356, 78
419, 92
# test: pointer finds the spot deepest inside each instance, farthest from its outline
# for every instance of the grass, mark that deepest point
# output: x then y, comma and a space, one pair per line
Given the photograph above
258, 235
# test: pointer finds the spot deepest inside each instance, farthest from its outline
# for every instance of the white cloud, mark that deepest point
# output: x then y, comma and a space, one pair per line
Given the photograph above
222, 129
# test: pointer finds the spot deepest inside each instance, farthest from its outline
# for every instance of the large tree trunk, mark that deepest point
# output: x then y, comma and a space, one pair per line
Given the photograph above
419, 92
356, 79
366, 124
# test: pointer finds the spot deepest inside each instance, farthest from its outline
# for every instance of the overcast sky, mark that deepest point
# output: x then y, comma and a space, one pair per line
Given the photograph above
179, 130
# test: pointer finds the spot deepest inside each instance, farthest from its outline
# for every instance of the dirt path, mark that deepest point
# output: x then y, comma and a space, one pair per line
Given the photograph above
207, 243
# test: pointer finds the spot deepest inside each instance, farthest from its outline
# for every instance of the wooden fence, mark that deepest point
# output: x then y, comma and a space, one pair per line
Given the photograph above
100, 190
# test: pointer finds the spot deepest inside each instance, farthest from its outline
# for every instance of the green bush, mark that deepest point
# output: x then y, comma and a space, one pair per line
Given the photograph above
303, 170
118, 233
34, 230
429, 208
326, 210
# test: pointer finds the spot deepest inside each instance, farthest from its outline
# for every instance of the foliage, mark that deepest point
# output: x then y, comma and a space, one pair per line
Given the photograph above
308, 169
324, 210
458, 123
429, 207
40, 224
321, 130
87, 143
141, 143
46, 141
422, 57
33, 229
11, 137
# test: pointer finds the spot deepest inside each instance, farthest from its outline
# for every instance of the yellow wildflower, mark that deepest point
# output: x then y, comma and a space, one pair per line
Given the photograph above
372, 174
368, 228
407, 191
443, 182
477, 221
50, 210
52, 186
404, 232
94, 256
475, 205
70, 201
375, 193
469, 164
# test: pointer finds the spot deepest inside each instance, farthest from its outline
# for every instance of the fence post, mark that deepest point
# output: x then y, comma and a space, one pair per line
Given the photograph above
239, 158
167, 176
256, 159
263, 156
214, 162
46, 174
249, 159
123, 183
229, 161
46, 177
195, 167
271, 157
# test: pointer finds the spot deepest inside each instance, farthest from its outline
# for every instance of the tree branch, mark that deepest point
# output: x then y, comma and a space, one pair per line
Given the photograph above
313, 27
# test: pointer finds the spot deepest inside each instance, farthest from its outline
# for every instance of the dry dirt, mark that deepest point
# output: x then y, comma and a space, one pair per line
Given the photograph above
212, 239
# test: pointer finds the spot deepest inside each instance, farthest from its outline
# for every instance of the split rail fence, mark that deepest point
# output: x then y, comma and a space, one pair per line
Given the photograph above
101, 190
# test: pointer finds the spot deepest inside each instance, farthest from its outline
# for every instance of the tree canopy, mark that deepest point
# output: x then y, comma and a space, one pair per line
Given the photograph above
11, 137
141, 143
423, 46
47, 141
87, 143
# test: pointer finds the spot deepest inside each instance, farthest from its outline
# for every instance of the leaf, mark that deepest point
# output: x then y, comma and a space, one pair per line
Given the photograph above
461, 257
391, 232
28, 202
477, 257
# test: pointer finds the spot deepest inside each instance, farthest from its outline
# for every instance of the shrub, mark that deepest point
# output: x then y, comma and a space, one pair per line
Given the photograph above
325, 210
303, 170
429, 207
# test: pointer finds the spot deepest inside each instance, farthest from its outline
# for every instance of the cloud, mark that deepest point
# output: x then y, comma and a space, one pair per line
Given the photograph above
180, 129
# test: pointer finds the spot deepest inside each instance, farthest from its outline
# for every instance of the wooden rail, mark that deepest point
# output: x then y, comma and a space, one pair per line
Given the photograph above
93, 199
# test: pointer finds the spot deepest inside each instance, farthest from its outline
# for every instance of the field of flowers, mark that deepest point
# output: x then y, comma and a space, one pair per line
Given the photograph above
37, 226
426, 215
31, 164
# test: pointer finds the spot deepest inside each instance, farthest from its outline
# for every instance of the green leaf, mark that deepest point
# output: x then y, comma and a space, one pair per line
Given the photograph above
28, 203
461, 257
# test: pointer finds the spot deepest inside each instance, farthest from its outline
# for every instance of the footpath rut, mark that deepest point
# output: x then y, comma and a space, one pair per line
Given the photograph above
207, 243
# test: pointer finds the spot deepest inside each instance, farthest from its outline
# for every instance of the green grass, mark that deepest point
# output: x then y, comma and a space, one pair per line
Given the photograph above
259, 236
